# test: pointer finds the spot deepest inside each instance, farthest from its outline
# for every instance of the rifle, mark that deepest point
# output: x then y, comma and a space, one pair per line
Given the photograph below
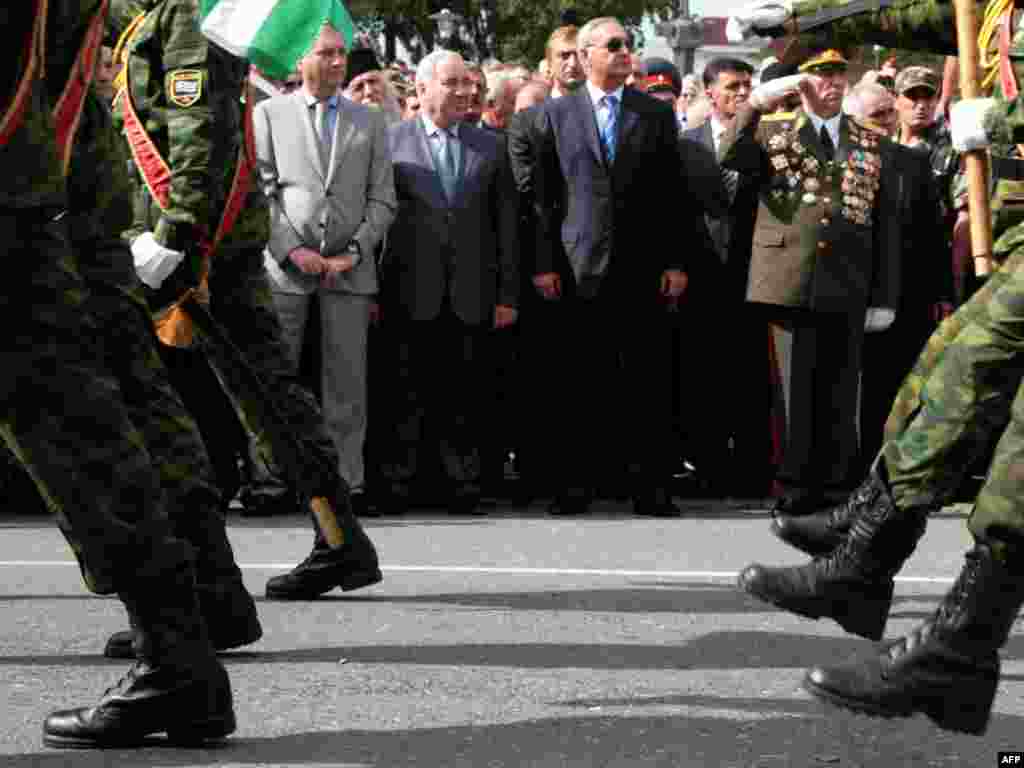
306, 470
976, 161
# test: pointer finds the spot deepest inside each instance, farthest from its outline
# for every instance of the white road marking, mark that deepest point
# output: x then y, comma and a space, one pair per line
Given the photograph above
501, 570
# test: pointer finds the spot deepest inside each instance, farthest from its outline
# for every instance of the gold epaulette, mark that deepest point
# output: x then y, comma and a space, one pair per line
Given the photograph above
778, 116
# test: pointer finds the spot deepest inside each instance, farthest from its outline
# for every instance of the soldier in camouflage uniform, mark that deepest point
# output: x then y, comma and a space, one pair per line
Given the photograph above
65, 414
187, 94
966, 391
101, 192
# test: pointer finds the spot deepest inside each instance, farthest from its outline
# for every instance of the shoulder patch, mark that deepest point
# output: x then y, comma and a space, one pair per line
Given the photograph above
775, 116
184, 87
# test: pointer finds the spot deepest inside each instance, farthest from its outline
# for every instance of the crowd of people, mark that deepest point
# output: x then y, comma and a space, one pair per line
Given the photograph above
489, 256
743, 428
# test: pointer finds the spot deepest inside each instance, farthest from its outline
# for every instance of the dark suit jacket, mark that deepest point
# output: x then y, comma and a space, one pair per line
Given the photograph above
924, 259
606, 224
523, 139
732, 229
466, 250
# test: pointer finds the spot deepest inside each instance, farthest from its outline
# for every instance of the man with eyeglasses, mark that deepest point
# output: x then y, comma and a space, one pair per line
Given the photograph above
608, 164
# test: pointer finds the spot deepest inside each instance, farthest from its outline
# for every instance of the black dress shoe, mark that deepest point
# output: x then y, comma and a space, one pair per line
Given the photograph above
466, 501
659, 506
320, 572
191, 706
569, 505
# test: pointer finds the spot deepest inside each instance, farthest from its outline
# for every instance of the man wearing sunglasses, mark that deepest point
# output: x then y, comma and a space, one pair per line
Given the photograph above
607, 164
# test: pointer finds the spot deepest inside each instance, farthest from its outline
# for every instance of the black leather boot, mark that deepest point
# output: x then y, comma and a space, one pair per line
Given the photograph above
821, 532
948, 668
351, 566
225, 603
229, 612
177, 687
854, 583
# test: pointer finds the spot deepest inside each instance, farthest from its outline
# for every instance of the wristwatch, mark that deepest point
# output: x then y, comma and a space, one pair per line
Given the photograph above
354, 250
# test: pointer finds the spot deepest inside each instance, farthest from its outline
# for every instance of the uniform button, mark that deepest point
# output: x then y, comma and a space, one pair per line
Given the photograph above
825, 222
822, 245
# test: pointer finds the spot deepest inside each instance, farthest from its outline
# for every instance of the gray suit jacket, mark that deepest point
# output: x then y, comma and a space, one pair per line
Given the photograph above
465, 249
323, 207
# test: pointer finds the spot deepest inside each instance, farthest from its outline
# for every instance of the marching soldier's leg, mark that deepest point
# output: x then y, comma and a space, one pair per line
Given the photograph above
195, 503
964, 403
819, 534
948, 668
343, 555
63, 414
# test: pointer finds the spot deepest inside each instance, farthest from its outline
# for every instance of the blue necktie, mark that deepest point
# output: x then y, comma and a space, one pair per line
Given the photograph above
608, 133
446, 162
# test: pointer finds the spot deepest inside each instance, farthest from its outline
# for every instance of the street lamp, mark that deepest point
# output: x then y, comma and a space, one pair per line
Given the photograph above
684, 36
448, 24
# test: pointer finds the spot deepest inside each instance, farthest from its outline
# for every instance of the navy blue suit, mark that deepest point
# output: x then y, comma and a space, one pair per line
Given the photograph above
610, 230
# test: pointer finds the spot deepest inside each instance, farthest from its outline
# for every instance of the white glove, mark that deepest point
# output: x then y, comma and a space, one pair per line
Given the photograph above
153, 262
878, 319
757, 16
967, 124
766, 94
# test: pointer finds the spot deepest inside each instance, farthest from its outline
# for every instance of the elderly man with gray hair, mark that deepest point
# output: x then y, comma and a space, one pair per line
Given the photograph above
449, 274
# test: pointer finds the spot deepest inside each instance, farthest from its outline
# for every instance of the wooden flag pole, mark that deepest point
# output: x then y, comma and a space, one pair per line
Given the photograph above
976, 161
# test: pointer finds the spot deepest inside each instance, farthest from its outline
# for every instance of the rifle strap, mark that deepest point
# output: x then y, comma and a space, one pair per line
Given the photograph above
35, 47
68, 110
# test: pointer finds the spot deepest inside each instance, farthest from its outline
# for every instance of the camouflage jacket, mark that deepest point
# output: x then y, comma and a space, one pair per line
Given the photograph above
187, 93
33, 175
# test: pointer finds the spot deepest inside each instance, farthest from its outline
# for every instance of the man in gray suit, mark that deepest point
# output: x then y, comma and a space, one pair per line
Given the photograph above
325, 164
449, 274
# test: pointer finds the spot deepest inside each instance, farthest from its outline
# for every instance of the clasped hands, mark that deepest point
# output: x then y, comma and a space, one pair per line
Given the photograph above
673, 284
310, 262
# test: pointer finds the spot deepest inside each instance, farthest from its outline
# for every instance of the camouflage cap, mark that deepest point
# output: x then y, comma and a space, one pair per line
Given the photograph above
917, 77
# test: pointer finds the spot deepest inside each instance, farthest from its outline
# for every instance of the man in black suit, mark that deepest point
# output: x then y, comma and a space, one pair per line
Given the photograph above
926, 281
608, 170
450, 273
733, 438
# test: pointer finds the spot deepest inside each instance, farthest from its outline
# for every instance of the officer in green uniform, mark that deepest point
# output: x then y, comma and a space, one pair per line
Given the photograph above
817, 267
187, 95
966, 392
65, 415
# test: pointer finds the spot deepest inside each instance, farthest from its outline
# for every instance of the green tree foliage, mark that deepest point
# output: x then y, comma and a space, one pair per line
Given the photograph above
509, 30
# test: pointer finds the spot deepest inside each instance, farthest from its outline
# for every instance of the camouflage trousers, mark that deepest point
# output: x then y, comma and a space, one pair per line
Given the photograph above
64, 412
963, 396
242, 304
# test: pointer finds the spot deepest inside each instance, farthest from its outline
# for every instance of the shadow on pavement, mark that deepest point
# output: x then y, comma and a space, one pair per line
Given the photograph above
716, 650
778, 733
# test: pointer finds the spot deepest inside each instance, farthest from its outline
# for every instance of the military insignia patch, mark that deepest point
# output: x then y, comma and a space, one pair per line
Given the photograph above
184, 87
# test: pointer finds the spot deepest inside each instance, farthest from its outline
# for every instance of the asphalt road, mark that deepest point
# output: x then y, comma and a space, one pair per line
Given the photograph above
508, 640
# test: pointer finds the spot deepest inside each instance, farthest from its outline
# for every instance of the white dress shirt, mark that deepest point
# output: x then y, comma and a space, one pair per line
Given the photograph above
832, 124
600, 106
